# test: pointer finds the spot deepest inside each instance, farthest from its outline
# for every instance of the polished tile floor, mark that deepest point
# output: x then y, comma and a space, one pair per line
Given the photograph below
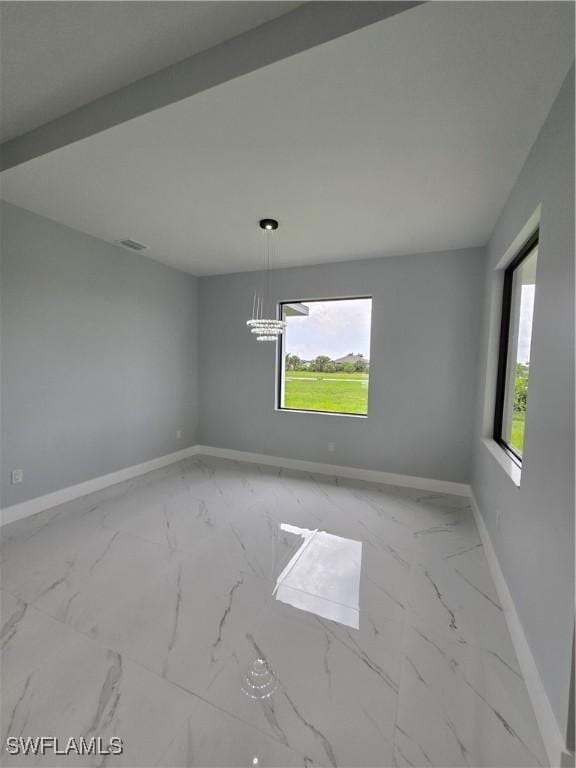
139, 611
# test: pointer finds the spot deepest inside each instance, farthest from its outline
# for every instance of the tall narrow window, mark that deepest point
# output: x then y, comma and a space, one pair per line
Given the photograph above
514, 357
324, 363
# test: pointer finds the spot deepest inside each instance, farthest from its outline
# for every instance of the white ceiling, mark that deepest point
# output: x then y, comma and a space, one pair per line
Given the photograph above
405, 136
57, 56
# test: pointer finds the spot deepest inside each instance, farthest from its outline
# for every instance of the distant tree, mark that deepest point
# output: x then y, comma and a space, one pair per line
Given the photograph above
319, 363
521, 387
361, 366
348, 367
293, 363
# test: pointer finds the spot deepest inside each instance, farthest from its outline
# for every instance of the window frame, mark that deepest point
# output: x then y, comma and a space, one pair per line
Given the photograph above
280, 359
504, 342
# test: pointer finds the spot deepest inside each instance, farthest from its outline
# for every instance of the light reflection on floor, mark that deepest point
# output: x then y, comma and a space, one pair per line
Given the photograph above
323, 576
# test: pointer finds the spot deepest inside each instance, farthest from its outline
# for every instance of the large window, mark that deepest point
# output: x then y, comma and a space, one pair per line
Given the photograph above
324, 362
514, 357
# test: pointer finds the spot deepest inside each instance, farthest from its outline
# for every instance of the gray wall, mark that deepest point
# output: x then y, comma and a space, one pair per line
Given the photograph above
535, 539
99, 350
425, 323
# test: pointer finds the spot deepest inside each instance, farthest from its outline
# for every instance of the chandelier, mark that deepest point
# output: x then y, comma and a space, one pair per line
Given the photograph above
262, 323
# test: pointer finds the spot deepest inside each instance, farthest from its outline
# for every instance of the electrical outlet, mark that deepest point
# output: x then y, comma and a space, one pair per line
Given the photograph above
331, 447
16, 476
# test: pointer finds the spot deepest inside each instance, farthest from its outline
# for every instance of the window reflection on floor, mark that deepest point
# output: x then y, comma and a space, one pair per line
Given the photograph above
323, 576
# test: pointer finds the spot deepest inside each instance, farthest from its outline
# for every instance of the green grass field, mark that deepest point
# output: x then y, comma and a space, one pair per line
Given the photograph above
518, 424
333, 392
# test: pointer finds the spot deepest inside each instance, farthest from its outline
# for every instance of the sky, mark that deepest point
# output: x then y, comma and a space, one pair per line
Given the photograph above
333, 328
525, 325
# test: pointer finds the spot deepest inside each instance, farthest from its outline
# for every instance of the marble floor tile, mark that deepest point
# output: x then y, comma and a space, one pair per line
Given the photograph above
138, 610
27, 639
252, 537
337, 688
80, 689
180, 519
215, 739
451, 600
67, 549
172, 613
460, 705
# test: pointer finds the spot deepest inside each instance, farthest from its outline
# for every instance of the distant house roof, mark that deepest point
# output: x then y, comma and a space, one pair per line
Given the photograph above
351, 358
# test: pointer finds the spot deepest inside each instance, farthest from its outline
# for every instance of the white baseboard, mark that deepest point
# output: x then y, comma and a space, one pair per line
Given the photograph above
547, 723
32, 506
370, 475
40, 503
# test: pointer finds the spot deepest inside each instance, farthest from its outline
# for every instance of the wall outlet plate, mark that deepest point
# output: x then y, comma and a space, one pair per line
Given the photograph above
16, 476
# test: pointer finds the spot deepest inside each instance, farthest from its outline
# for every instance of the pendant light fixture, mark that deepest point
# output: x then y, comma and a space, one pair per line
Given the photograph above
262, 323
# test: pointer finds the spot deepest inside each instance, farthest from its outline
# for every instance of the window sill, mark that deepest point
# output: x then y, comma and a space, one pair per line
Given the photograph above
322, 413
509, 466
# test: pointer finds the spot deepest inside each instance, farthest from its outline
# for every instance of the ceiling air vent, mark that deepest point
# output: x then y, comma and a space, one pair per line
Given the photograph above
133, 244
